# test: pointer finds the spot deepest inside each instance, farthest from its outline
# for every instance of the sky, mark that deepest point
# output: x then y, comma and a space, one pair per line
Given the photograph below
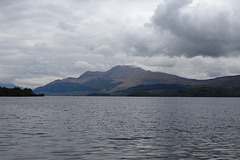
41, 41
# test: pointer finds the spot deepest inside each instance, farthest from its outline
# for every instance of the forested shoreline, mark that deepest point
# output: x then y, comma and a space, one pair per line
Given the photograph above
17, 92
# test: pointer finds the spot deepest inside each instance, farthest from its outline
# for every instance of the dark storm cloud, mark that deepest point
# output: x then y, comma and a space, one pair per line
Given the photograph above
198, 27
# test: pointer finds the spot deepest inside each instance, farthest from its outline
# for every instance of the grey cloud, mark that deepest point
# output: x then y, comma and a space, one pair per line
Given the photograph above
198, 27
46, 38
61, 38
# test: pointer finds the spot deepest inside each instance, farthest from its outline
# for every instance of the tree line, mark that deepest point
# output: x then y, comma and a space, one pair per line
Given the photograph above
17, 92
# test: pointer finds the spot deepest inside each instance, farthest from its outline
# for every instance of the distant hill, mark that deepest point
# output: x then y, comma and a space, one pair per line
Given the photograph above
126, 80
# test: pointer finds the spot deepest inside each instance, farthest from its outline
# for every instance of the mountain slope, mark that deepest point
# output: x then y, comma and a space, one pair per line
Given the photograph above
64, 88
130, 78
117, 78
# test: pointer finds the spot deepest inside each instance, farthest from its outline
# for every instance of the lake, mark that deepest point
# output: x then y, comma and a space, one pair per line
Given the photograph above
102, 128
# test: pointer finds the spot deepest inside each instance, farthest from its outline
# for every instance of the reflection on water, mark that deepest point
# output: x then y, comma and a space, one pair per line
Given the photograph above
119, 128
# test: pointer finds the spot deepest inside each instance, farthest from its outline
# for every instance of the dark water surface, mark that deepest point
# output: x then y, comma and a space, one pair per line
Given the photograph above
102, 128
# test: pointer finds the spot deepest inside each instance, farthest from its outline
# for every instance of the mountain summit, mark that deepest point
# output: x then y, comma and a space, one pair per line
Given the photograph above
117, 78
124, 78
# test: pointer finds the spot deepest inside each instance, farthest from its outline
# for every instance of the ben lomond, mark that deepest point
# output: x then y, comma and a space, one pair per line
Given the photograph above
130, 80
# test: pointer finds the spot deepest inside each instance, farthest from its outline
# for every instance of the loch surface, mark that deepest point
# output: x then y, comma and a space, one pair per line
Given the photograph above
102, 128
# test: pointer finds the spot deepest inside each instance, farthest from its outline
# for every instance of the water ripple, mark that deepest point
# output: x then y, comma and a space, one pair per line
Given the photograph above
102, 128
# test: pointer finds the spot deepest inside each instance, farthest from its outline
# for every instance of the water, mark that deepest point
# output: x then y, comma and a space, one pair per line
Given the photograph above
101, 128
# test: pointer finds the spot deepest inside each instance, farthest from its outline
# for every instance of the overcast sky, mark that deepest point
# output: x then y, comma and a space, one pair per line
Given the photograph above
41, 41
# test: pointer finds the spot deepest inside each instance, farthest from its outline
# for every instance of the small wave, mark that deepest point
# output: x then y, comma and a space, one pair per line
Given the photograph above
33, 134
129, 139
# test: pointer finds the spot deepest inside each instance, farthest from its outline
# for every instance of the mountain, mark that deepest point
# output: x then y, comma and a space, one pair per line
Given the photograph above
125, 80
118, 78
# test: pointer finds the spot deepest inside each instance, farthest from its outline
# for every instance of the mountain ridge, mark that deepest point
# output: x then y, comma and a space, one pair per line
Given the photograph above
122, 78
